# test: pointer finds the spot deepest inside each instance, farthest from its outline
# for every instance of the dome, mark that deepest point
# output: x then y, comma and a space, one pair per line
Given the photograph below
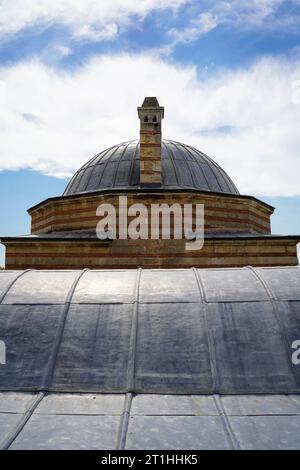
183, 167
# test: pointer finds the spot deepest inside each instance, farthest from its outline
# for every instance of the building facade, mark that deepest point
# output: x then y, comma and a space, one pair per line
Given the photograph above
151, 171
191, 349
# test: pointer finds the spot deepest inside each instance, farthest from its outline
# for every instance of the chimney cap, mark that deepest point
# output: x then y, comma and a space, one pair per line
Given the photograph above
150, 102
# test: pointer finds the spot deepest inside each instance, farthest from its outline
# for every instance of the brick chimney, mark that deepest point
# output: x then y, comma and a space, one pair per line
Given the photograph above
150, 115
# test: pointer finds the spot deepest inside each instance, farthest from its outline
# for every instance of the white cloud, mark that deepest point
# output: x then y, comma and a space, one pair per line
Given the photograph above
237, 14
62, 51
203, 24
254, 13
90, 33
88, 19
2, 94
247, 120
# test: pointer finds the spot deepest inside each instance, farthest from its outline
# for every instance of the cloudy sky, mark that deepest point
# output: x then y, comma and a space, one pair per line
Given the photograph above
72, 73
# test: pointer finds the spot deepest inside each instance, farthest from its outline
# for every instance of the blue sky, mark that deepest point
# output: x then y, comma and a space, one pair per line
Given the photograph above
73, 72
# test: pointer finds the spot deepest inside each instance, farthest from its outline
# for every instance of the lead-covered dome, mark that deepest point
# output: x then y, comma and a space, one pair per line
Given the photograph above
183, 167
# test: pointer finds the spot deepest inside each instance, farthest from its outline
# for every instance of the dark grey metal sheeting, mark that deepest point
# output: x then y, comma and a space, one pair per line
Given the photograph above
183, 167
126, 421
181, 331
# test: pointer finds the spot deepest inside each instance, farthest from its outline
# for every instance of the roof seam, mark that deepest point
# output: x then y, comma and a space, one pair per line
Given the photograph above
134, 157
4, 294
124, 421
199, 166
211, 161
281, 327
120, 158
130, 379
211, 348
50, 367
107, 161
7, 442
233, 441
171, 155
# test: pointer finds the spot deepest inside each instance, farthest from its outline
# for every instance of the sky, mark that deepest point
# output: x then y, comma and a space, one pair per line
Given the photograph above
72, 73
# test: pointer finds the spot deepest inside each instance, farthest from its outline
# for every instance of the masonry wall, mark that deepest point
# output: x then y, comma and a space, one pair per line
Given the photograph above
222, 213
230, 214
149, 253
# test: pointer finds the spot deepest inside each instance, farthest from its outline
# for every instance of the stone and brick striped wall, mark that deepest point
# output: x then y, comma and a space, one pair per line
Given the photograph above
149, 253
150, 115
222, 214
150, 157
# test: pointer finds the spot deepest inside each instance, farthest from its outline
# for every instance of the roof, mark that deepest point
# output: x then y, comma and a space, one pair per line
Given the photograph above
183, 167
156, 359
125, 421
62, 235
175, 331
105, 237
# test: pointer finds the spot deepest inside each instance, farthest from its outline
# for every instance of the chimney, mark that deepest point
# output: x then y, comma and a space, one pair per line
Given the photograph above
150, 115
